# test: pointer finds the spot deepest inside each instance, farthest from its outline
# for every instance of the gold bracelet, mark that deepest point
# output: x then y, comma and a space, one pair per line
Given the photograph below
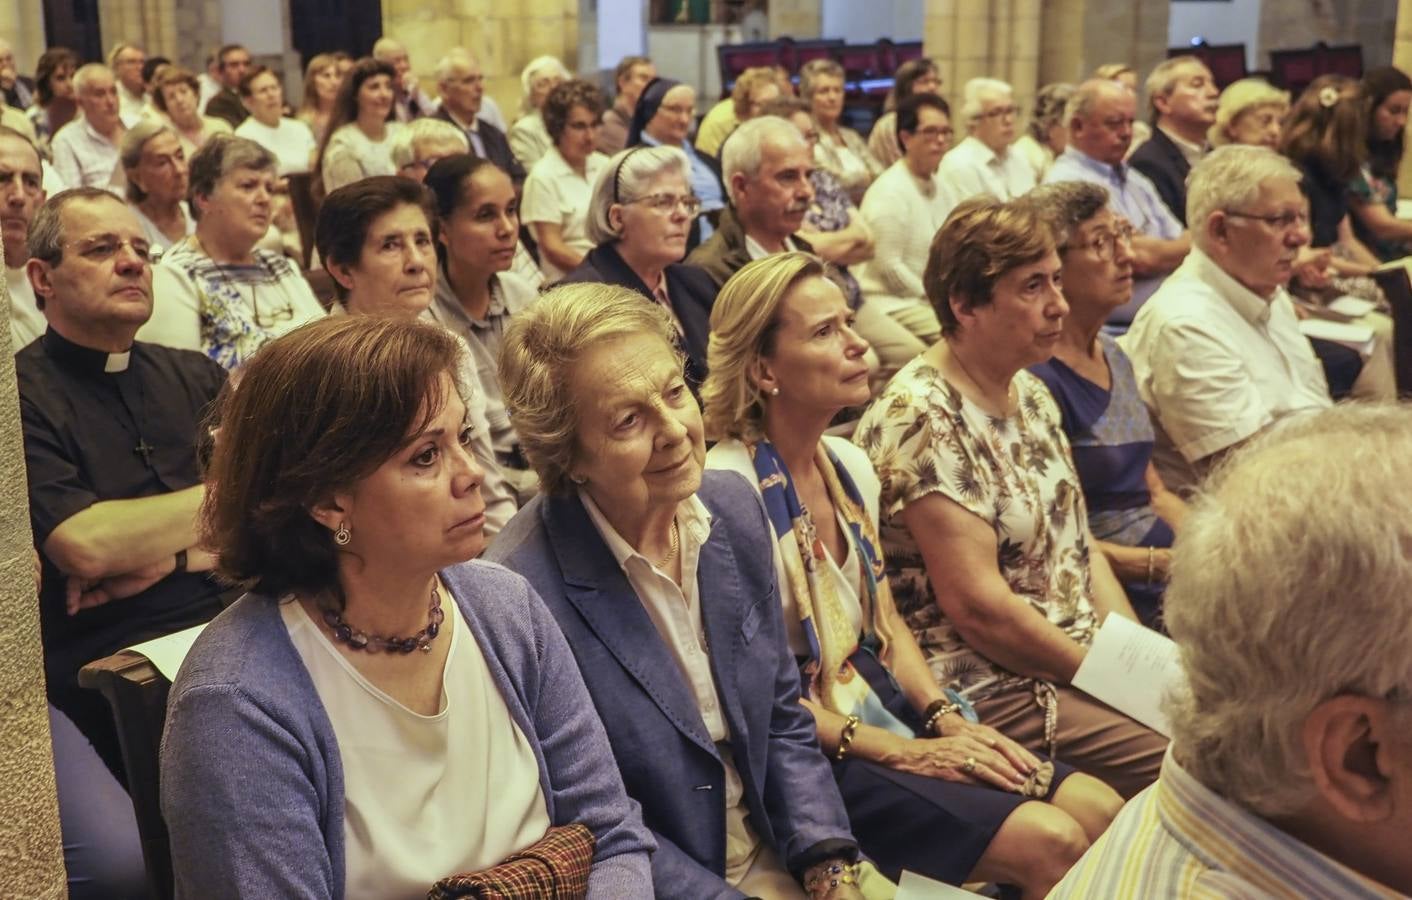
845, 737
1151, 564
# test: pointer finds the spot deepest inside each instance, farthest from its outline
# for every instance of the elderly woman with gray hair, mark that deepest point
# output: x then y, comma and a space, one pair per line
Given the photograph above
1047, 135
1291, 760
529, 139
663, 581
1132, 515
216, 292
154, 163
638, 220
840, 149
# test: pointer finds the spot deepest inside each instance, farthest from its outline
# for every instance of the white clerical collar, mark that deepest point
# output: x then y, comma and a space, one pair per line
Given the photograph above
117, 362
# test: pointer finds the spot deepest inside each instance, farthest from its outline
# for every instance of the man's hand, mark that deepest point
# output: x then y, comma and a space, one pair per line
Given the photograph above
86, 593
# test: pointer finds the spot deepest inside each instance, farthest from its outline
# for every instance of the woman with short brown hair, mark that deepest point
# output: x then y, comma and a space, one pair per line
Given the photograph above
375, 714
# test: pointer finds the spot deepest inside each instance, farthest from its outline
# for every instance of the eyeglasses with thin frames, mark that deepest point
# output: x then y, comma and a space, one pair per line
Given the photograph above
1104, 245
102, 249
668, 203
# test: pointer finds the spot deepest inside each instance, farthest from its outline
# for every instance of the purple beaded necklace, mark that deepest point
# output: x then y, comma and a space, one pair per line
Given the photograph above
375, 643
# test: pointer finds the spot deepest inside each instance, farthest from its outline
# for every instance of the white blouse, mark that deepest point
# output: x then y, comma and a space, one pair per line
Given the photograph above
424, 796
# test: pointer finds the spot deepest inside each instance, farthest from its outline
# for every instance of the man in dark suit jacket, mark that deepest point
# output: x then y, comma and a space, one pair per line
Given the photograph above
462, 87
234, 62
1184, 96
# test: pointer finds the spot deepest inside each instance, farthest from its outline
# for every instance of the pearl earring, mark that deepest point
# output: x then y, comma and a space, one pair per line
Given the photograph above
774, 392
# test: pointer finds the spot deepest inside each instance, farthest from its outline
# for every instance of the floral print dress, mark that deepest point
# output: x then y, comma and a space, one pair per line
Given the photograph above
1015, 473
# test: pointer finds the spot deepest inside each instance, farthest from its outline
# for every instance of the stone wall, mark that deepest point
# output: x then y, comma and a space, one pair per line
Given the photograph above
796, 18
504, 36
1292, 24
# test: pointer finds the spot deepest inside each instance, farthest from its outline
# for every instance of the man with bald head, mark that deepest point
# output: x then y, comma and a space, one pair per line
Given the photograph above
1100, 119
408, 101
462, 85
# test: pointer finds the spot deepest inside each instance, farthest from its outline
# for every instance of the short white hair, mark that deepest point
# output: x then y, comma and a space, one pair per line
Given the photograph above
455, 58
1088, 93
385, 47
405, 140
1230, 178
742, 149
538, 68
977, 91
1163, 79
1290, 586
626, 176
88, 72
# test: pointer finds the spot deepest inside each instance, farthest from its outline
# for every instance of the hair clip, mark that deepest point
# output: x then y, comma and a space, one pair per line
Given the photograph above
1328, 97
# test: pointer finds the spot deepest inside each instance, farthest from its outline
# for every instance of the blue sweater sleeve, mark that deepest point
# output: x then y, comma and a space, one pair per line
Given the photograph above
245, 800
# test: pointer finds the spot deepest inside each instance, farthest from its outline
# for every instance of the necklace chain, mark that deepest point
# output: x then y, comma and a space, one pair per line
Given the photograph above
374, 643
672, 551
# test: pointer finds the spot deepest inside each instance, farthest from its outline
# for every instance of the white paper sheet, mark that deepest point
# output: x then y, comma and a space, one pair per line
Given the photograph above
1352, 307
167, 652
912, 886
1355, 337
1131, 668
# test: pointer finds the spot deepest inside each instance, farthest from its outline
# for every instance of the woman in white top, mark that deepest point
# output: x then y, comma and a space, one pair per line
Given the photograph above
378, 714
841, 150
322, 78
359, 139
155, 165
216, 292
177, 94
1047, 135
529, 139
927, 787
560, 185
290, 140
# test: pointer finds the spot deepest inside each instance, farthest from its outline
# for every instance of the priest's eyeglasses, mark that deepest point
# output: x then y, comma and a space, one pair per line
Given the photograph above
104, 248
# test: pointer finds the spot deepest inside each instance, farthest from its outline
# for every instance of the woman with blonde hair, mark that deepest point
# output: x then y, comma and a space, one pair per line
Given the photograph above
322, 79
529, 139
990, 556
1249, 111
658, 575
926, 789
753, 89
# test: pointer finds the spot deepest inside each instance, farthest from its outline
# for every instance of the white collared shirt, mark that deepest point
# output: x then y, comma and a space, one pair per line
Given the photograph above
1191, 152
675, 612
758, 251
556, 194
972, 168
1215, 363
26, 321
83, 157
290, 141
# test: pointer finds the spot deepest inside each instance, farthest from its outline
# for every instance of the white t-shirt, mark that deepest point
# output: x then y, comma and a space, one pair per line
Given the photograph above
424, 796
555, 193
291, 142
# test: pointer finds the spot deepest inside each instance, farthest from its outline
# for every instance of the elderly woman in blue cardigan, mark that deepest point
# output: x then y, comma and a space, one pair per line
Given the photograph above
377, 714
663, 582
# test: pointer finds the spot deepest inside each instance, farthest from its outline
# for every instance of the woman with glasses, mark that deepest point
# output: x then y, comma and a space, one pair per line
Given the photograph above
841, 150
558, 188
639, 219
1131, 514
989, 554
664, 115
217, 292
915, 76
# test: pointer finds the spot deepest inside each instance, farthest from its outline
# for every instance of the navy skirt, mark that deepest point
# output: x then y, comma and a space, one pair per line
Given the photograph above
931, 826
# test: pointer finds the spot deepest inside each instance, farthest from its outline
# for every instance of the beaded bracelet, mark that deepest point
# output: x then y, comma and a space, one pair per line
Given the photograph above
831, 877
845, 737
934, 713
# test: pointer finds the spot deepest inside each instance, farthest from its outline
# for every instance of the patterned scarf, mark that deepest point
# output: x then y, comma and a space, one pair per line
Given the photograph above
829, 677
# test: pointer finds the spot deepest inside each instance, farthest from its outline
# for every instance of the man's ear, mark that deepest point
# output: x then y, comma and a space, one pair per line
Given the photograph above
1350, 742
40, 275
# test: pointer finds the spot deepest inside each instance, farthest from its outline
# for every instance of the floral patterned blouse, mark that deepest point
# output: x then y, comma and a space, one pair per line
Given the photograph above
1016, 473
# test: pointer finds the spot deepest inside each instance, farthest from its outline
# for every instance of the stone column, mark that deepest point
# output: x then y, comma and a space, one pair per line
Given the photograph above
980, 38
796, 18
22, 24
151, 24
1077, 36
504, 36
31, 854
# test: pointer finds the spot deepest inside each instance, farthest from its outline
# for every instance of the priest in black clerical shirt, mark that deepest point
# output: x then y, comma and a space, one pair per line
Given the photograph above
111, 428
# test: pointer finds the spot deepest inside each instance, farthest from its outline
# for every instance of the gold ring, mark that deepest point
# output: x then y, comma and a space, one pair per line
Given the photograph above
969, 765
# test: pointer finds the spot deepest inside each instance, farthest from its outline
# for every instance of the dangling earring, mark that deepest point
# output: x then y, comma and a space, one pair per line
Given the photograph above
342, 536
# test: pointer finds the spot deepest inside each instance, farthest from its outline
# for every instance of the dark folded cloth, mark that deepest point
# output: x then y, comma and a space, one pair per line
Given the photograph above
556, 866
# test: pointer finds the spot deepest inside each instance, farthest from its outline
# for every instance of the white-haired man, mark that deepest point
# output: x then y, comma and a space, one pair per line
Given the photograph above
408, 100
16, 90
1290, 768
126, 61
1217, 351
463, 100
983, 163
766, 164
1183, 95
21, 195
85, 151
1100, 118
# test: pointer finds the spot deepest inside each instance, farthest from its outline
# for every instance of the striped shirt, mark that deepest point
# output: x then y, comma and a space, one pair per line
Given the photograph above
1179, 839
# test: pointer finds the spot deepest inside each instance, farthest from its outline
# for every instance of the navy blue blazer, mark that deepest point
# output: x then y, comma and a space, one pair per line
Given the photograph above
1161, 160
691, 292
497, 147
668, 761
